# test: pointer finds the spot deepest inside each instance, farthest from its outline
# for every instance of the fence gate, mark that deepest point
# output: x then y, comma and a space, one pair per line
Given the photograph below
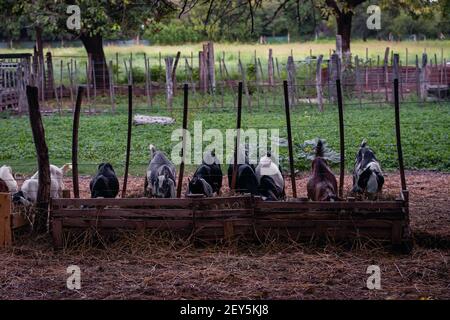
14, 76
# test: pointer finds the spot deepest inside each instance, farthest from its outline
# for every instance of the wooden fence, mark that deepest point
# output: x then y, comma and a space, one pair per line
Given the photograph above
245, 218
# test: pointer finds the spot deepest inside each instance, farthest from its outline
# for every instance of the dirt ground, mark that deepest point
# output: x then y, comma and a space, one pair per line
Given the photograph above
150, 267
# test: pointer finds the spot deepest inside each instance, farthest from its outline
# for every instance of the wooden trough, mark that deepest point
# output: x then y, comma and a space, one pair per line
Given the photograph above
239, 218
242, 217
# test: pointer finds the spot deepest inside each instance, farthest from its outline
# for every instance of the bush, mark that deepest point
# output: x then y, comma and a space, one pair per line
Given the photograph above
157, 73
176, 32
138, 76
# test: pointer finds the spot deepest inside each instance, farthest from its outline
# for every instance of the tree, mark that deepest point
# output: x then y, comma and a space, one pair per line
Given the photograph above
99, 18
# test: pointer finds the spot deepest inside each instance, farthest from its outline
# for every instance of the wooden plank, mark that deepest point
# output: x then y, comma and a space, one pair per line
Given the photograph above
173, 225
130, 202
369, 205
397, 228
57, 233
123, 212
223, 213
367, 223
319, 215
309, 234
218, 223
5, 220
228, 230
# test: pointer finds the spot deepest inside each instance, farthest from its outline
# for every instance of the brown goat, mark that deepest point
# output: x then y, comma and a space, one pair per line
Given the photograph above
322, 185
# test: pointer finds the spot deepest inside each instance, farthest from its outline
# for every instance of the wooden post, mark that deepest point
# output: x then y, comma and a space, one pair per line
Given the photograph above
238, 137
191, 76
257, 80
227, 75
222, 85
290, 68
335, 74
339, 46
131, 68
424, 78
61, 84
319, 88
289, 133
111, 87
174, 72
341, 137
211, 67
358, 80
169, 82
244, 80
397, 125
5, 220
201, 72
270, 68
50, 80
94, 79
127, 72
130, 122
37, 128
117, 66
150, 89
147, 82
205, 68
183, 149
406, 69
386, 74
263, 89
76, 124
88, 85
70, 74
417, 76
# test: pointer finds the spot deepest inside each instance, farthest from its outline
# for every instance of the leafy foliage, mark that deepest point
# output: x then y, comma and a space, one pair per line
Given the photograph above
307, 150
425, 134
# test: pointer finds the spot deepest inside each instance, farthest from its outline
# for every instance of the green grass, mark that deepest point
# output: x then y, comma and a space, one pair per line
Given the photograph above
231, 52
425, 133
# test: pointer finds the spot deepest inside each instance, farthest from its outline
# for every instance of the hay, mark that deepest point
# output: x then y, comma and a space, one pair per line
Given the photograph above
159, 266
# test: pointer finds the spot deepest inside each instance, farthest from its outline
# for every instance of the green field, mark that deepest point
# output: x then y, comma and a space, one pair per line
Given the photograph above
425, 131
247, 51
436, 50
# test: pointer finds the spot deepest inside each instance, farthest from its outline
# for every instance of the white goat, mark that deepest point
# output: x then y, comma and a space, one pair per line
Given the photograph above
7, 176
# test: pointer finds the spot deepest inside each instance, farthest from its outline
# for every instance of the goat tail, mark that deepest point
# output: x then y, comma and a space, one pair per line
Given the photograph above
152, 149
319, 148
66, 168
363, 143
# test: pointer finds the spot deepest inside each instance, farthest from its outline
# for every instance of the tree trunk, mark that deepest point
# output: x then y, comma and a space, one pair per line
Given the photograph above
344, 26
94, 48
37, 128
39, 44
